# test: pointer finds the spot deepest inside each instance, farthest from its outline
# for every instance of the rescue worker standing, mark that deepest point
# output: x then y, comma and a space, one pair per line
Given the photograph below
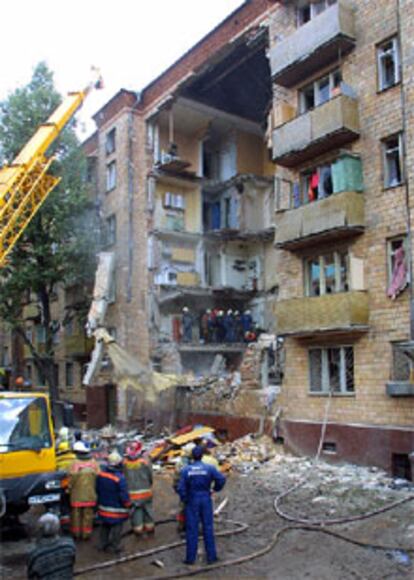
64, 459
194, 489
138, 474
81, 487
113, 503
182, 462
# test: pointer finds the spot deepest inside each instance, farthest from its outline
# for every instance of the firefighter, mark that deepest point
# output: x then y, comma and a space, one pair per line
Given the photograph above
81, 487
184, 460
194, 489
113, 503
64, 459
138, 473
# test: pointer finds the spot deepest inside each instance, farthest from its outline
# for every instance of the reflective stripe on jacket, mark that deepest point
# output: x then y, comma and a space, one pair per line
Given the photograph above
138, 473
82, 480
113, 496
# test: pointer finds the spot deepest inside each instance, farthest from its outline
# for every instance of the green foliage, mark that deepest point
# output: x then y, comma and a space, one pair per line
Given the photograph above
57, 248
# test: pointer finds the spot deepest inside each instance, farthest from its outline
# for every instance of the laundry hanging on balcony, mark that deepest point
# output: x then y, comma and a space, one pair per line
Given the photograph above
399, 275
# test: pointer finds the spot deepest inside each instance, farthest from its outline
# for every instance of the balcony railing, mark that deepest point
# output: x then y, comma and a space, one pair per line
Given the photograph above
315, 45
342, 312
326, 127
338, 216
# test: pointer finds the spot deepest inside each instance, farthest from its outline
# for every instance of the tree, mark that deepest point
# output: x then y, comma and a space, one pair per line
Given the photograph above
56, 250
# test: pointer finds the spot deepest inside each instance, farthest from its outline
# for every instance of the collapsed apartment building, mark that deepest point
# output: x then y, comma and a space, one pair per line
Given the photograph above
270, 170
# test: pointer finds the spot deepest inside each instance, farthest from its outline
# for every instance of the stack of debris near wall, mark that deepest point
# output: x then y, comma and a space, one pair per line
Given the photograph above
235, 401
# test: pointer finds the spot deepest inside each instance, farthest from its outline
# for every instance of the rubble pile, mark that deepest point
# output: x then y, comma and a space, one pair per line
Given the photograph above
247, 453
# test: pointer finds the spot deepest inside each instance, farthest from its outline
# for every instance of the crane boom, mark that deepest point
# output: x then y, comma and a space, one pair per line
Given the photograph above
25, 183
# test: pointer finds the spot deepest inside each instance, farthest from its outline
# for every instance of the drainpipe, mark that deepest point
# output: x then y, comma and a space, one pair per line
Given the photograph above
130, 205
406, 174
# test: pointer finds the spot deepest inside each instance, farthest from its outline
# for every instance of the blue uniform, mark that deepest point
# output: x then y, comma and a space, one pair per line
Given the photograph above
194, 489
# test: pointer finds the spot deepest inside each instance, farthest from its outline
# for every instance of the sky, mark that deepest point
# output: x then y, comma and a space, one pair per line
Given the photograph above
131, 41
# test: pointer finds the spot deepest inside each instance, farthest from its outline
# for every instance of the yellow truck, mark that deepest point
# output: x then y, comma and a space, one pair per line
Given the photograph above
28, 473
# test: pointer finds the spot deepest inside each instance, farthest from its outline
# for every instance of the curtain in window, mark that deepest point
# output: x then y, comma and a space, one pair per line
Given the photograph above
399, 275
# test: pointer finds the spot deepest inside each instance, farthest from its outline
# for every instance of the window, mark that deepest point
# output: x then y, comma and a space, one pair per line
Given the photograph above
401, 365
5, 357
327, 274
393, 161
174, 200
110, 230
331, 369
320, 91
69, 374
110, 142
388, 58
40, 334
111, 176
91, 169
397, 266
69, 327
307, 10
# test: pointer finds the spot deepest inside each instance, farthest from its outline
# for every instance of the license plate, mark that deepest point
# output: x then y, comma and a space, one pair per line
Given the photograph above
36, 499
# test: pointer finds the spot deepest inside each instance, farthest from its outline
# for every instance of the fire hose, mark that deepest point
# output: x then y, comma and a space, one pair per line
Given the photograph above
302, 524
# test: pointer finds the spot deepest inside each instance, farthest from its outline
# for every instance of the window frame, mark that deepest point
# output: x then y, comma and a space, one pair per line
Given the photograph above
382, 54
111, 176
315, 87
320, 258
110, 230
312, 10
69, 376
386, 152
390, 255
110, 141
325, 379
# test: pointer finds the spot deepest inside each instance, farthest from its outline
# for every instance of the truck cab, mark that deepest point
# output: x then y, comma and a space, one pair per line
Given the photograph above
28, 474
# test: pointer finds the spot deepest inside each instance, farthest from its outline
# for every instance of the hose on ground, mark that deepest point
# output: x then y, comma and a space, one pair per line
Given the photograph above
240, 527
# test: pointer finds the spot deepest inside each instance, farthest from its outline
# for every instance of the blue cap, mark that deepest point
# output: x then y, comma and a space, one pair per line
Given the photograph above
198, 452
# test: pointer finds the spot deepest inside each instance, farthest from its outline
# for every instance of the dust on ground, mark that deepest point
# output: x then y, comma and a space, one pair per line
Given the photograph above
329, 492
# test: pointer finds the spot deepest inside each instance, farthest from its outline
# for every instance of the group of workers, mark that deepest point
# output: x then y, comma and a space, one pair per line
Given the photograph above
122, 488
220, 326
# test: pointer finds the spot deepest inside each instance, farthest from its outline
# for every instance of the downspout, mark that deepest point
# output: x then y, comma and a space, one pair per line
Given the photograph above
406, 174
130, 206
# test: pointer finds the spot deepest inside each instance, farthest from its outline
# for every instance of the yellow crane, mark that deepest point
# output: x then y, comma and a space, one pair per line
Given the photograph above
25, 183
28, 471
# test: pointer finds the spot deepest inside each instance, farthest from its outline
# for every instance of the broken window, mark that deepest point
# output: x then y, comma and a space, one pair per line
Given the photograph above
110, 141
393, 161
331, 370
327, 274
111, 176
309, 9
320, 91
398, 273
388, 56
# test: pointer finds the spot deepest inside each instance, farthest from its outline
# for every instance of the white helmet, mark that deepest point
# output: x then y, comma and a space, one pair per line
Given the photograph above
80, 447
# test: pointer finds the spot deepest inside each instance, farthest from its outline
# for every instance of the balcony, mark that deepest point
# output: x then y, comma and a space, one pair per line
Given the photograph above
318, 131
339, 216
78, 345
331, 313
317, 44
